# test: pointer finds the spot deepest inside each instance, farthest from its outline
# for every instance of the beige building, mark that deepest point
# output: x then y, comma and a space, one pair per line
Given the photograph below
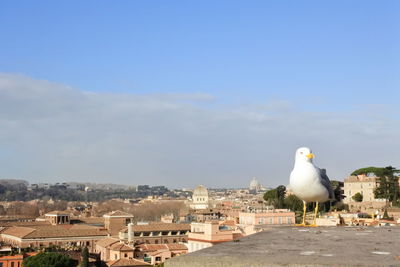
57, 217
41, 236
115, 253
115, 221
207, 234
156, 254
113, 249
103, 247
155, 233
359, 184
273, 217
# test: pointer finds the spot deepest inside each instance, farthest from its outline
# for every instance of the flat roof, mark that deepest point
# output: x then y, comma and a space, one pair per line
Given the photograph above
303, 246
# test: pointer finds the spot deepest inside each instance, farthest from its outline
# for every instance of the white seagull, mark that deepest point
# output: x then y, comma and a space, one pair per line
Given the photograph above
308, 182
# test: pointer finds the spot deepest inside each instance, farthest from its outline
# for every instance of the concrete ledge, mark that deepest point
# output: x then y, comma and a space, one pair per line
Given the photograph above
299, 246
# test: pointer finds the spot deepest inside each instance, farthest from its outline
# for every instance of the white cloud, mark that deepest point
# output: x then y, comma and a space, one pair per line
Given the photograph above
53, 132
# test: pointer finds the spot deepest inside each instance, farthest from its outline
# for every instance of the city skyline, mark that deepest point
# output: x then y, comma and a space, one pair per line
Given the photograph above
196, 93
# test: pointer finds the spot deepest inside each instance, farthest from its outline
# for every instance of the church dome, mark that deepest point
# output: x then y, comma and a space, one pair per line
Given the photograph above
254, 184
200, 191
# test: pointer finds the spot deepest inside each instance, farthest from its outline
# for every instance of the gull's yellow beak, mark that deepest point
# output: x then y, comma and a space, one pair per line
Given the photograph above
310, 156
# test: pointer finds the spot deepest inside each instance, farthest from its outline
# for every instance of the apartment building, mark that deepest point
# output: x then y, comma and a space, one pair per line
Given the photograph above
362, 184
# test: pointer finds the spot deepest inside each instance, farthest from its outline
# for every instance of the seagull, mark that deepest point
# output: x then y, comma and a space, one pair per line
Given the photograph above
308, 182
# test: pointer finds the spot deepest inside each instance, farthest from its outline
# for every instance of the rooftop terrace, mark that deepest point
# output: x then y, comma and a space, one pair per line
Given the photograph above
299, 246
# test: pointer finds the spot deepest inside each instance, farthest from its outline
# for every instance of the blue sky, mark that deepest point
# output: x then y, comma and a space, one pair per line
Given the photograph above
341, 58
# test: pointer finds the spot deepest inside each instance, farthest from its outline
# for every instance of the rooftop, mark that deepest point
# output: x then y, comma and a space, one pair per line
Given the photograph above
118, 213
127, 262
56, 231
121, 247
155, 247
57, 212
299, 246
160, 227
106, 242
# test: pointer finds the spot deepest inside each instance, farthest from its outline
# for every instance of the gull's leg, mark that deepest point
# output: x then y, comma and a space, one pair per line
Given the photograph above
304, 215
304, 212
315, 214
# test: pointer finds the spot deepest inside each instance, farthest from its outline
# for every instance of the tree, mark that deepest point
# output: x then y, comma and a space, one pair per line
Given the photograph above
388, 182
294, 203
337, 190
367, 171
85, 257
281, 192
385, 215
47, 259
388, 187
270, 196
358, 197
276, 197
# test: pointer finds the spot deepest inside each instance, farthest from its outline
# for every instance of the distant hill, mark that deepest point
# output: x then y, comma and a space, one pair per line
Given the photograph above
13, 182
99, 186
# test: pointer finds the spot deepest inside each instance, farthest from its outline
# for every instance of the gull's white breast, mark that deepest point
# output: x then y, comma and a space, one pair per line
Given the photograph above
305, 183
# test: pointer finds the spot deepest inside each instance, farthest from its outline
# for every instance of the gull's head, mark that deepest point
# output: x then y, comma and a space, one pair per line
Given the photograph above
304, 154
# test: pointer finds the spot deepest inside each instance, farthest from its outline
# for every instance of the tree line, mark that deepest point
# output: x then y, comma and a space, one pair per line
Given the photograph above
17, 190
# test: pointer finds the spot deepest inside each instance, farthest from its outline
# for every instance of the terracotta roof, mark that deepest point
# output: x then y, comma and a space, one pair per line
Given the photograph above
26, 224
18, 231
90, 220
118, 213
106, 242
127, 262
160, 227
157, 252
155, 247
152, 247
54, 231
121, 247
177, 246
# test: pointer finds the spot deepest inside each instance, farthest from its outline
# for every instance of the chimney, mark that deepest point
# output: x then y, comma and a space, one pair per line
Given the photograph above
130, 233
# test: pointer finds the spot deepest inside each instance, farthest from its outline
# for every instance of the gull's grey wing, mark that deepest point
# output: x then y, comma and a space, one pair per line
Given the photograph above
326, 183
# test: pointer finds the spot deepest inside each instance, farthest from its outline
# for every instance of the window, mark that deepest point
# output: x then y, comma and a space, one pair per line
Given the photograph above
12, 264
115, 256
156, 241
158, 258
126, 255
